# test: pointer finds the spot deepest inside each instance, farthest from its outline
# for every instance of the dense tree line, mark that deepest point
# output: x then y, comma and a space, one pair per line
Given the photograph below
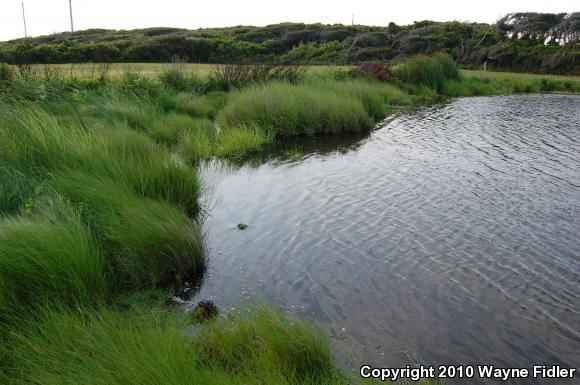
533, 42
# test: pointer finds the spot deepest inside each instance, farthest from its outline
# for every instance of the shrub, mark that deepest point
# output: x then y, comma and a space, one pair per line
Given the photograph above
375, 70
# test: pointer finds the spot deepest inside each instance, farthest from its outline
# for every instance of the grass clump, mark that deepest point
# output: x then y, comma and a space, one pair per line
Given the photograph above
205, 140
15, 189
108, 347
133, 195
293, 154
37, 139
148, 242
48, 256
241, 140
375, 96
430, 71
195, 105
469, 87
174, 78
168, 128
198, 140
243, 75
290, 110
7, 74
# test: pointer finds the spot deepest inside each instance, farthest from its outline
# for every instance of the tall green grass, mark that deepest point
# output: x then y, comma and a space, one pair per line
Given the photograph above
290, 110
147, 242
241, 140
36, 139
376, 97
430, 71
473, 86
197, 106
151, 347
15, 189
49, 256
316, 106
132, 197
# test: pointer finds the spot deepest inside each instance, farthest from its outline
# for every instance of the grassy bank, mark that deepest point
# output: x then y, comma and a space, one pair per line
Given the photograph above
89, 212
99, 197
149, 346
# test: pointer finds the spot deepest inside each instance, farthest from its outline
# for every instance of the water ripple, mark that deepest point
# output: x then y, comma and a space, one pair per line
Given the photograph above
450, 235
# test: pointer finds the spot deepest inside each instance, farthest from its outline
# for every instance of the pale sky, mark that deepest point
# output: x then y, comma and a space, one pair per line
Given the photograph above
49, 16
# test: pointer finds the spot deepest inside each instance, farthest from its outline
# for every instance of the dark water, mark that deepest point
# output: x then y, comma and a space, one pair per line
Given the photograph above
451, 235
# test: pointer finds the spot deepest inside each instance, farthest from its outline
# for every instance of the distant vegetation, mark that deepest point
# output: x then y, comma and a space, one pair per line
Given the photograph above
532, 42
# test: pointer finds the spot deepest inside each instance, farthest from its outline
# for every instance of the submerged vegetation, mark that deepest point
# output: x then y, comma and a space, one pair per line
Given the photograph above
99, 197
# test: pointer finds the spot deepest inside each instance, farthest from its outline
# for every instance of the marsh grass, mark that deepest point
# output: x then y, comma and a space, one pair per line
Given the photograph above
430, 71
293, 154
290, 110
145, 346
36, 138
147, 242
238, 141
473, 86
375, 96
197, 106
99, 197
198, 140
242, 75
15, 189
48, 258
133, 197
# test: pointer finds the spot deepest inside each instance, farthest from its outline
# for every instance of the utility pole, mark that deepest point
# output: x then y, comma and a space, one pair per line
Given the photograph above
72, 29
24, 20
352, 20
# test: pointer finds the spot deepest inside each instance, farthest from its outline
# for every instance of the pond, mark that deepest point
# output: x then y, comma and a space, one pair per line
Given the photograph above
449, 235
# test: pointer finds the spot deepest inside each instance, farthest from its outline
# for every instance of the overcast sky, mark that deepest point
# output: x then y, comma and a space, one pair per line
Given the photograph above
49, 16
